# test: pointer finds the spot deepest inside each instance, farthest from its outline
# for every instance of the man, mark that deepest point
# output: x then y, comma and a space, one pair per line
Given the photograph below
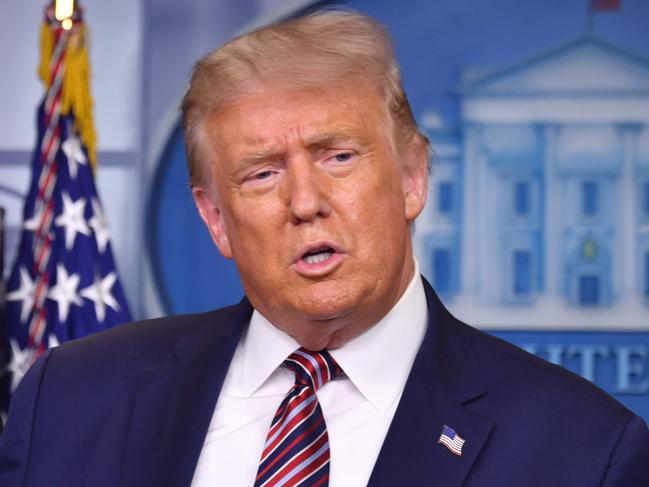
340, 367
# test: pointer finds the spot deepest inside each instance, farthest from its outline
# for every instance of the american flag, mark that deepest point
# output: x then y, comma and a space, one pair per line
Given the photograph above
63, 284
451, 440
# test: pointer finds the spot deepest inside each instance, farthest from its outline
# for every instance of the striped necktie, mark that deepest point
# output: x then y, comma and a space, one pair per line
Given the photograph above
296, 451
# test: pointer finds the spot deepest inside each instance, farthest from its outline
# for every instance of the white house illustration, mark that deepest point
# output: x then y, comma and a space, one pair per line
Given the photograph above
539, 211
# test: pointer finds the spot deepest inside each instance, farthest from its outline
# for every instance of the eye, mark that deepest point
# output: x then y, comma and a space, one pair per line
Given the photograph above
339, 161
262, 175
259, 177
343, 156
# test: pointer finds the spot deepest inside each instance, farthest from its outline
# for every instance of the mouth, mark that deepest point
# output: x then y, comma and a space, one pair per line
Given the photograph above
318, 259
317, 256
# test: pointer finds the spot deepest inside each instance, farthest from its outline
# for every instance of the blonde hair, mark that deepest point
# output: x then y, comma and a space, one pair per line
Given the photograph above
324, 49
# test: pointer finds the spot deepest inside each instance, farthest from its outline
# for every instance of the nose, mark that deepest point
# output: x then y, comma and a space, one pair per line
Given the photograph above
307, 199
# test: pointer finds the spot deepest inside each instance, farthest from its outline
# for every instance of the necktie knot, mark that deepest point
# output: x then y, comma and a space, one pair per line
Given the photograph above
313, 369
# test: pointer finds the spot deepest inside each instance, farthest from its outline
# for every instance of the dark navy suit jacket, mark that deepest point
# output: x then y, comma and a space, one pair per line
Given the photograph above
131, 406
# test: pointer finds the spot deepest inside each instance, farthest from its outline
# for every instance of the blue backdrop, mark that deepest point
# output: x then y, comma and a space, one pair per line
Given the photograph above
529, 164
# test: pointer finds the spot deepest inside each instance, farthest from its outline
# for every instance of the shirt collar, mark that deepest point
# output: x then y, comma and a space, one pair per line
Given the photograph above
262, 350
377, 362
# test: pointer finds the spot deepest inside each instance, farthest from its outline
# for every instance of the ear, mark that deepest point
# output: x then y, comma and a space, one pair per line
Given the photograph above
415, 177
213, 218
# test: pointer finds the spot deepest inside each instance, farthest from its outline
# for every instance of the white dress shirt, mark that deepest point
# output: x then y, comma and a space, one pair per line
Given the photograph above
357, 407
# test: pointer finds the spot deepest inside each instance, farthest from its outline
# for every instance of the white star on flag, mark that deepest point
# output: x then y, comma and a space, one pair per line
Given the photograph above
72, 219
24, 293
53, 342
99, 293
21, 360
65, 291
33, 223
99, 225
74, 152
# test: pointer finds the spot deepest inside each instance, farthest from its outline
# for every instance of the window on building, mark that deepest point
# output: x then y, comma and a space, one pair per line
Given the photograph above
521, 198
442, 270
522, 273
589, 290
445, 197
589, 198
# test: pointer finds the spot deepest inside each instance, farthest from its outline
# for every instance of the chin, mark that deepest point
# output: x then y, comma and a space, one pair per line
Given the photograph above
318, 311
327, 303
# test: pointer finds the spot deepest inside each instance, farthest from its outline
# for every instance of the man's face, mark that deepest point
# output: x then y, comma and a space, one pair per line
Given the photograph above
314, 205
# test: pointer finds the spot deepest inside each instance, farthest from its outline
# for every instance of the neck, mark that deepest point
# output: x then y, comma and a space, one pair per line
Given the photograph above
331, 333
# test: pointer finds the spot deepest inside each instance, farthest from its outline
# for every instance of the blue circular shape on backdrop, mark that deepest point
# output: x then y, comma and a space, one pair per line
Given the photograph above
189, 272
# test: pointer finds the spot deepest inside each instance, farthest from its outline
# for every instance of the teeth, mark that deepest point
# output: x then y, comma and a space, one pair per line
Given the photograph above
319, 257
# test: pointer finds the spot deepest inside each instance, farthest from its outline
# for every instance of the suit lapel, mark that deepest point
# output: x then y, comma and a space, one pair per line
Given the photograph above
444, 387
173, 405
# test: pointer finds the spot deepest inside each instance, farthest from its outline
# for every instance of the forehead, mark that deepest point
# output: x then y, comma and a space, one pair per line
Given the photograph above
277, 119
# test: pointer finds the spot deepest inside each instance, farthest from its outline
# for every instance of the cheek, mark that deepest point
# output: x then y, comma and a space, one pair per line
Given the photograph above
378, 221
254, 227
385, 200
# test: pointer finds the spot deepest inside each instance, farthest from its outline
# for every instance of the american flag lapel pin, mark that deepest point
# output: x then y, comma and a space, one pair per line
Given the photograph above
451, 440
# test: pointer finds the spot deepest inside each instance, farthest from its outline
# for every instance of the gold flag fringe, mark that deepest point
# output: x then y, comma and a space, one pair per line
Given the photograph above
75, 87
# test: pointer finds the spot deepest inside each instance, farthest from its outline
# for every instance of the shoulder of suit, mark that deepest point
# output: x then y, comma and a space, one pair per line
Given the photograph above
146, 343
517, 377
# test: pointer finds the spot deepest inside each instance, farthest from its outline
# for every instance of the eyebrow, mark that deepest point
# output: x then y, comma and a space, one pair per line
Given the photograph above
315, 141
258, 156
332, 138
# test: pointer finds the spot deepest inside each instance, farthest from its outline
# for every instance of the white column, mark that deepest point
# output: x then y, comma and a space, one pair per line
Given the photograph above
552, 216
627, 200
470, 232
486, 282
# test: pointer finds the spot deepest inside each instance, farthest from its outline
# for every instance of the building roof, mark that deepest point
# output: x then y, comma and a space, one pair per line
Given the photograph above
587, 65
